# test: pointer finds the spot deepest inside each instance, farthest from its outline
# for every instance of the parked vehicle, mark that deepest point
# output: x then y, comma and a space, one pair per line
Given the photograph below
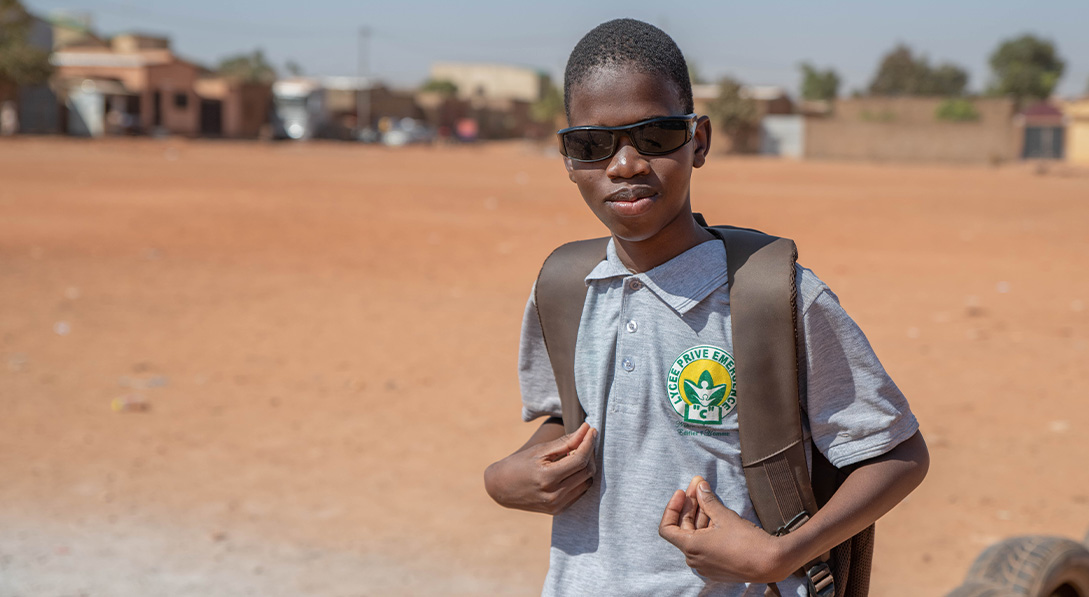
297, 109
406, 131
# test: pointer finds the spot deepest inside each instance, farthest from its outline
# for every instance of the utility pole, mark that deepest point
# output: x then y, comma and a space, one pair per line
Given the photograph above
363, 96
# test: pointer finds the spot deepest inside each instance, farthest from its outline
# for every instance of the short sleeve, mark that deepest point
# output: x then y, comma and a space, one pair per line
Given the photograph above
540, 398
855, 410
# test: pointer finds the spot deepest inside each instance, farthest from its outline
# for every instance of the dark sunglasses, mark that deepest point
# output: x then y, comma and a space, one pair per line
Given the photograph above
655, 136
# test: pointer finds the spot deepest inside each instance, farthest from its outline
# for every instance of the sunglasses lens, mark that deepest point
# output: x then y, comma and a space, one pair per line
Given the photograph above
660, 137
588, 145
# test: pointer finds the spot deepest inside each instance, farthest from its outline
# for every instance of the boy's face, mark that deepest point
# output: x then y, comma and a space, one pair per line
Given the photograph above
637, 197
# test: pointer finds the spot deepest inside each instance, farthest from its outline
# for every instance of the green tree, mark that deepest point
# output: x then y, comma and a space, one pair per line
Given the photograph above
730, 111
20, 63
945, 80
251, 68
898, 73
1026, 67
819, 84
902, 73
547, 109
440, 86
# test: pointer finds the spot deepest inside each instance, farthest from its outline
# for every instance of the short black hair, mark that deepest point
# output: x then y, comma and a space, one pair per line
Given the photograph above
627, 43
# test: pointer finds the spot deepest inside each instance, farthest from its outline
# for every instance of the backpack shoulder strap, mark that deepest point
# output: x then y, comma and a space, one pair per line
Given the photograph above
763, 314
560, 295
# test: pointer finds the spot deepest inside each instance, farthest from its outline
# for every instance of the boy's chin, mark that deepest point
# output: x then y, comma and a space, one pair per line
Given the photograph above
638, 229
631, 234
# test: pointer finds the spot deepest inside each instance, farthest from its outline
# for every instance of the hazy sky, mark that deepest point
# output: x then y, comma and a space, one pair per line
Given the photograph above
758, 42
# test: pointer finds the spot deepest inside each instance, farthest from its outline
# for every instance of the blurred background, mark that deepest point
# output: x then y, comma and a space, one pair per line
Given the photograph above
263, 265
972, 81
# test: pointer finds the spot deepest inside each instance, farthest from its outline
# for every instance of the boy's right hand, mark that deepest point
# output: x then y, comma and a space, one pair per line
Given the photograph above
546, 477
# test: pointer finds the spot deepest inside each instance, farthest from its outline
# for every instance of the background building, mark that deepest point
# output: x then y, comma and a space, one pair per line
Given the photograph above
1077, 131
909, 129
132, 83
496, 98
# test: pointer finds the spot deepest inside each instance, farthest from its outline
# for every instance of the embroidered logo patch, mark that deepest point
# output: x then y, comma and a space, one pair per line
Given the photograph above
700, 385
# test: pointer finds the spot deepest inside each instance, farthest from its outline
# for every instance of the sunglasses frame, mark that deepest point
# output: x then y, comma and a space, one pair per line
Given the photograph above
692, 119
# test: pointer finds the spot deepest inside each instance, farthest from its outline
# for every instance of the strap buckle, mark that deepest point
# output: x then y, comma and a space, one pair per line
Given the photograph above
792, 524
820, 581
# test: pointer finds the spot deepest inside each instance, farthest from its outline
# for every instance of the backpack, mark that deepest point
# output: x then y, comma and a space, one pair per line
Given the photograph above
763, 299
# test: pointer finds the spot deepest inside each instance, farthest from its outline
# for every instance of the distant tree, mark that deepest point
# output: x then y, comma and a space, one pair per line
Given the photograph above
547, 109
1026, 67
440, 86
730, 111
901, 73
945, 80
252, 68
898, 73
293, 68
819, 84
20, 63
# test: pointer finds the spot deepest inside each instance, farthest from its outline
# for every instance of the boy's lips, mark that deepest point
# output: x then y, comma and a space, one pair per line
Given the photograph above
632, 193
631, 201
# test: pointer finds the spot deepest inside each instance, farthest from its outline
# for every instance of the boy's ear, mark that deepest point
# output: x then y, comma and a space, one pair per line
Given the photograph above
701, 141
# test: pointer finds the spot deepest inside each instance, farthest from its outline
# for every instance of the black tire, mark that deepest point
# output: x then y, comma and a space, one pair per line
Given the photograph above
980, 589
1035, 566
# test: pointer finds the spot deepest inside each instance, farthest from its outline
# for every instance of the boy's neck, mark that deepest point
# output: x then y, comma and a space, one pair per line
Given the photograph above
681, 235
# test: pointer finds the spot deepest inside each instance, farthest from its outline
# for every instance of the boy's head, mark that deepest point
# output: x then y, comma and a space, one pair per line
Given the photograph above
631, 45
633, 139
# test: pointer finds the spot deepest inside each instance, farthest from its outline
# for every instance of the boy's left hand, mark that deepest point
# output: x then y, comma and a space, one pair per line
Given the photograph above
716, 542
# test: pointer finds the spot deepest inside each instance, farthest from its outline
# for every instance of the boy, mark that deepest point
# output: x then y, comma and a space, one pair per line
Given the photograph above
661, 292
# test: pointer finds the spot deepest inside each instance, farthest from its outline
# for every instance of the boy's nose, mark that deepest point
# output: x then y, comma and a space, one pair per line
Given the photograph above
627, 162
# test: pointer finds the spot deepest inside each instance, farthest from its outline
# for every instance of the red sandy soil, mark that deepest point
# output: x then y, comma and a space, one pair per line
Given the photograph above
326, 337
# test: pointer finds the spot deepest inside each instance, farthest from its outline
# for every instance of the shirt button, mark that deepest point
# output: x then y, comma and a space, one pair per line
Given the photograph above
632, 326
628, 364
635, 284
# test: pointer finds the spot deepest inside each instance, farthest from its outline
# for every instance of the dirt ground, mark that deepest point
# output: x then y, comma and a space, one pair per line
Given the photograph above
324, 337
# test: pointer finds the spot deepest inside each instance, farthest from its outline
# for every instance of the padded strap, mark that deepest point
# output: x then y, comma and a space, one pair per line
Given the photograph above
763, 314
560, 295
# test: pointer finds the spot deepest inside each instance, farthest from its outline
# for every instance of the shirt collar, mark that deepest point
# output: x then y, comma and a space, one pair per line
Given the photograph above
681, 282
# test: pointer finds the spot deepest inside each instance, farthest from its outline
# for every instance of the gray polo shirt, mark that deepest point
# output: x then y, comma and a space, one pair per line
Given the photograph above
654, 372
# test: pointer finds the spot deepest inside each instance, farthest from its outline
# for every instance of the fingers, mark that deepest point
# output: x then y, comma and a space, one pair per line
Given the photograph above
562, 446
689, 513
578, 477
693, 485
573, 494
710, 504
580, 457
702, 519
699, 517
670, 529
564, 479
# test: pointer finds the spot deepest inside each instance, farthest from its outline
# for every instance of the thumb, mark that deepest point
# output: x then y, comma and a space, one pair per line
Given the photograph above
710, 504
